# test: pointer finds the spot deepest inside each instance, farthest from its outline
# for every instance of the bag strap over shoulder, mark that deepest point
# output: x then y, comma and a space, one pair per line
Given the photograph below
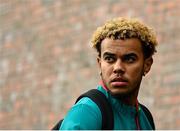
106, 110
107, 113
57, 126
100, 99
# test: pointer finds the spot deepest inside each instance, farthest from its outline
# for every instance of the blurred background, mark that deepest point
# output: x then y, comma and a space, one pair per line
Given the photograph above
46, 60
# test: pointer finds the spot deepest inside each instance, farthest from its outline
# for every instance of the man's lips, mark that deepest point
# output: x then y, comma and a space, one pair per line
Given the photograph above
119, 82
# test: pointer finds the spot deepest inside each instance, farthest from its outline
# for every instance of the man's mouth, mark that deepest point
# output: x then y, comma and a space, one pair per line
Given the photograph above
118, 82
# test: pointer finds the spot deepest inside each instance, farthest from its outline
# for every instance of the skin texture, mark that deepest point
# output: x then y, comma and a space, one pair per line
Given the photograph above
122, 65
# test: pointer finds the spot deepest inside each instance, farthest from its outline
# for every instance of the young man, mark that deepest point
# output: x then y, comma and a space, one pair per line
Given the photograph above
125, 48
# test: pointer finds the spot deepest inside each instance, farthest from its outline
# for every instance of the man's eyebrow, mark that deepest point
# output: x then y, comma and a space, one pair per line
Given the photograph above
131, 54
108, 54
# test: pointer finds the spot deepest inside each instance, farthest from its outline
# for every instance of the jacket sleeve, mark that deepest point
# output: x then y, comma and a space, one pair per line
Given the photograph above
85, 115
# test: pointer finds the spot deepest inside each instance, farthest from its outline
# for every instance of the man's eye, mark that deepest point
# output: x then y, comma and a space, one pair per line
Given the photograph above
130, 59
109, 59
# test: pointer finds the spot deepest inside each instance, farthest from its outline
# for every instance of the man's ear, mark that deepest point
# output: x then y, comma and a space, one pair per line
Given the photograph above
147, 65
99, 64
99, 61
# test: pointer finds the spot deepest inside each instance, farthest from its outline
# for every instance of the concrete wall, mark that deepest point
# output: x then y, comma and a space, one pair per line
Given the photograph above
46, 60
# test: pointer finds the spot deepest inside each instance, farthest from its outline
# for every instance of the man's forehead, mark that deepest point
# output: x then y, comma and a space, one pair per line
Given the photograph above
121, 45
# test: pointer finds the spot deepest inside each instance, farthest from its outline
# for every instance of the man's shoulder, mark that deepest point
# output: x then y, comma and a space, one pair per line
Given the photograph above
85, 114
86, 101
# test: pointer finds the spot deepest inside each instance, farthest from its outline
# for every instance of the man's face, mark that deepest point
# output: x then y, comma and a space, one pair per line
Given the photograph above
122, 65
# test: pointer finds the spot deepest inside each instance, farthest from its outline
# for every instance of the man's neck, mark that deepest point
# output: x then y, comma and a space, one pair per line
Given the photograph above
130, 99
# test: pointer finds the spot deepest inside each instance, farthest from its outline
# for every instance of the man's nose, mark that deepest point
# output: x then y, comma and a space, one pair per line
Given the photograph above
119, 67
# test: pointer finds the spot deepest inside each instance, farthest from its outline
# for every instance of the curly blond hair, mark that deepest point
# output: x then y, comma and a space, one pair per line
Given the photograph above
123, 28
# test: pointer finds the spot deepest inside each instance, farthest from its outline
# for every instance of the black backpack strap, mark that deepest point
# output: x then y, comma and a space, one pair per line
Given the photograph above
148, 115
107, 113
100, 99
57, 126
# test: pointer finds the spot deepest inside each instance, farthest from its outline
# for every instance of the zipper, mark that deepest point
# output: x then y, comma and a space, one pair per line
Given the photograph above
137, 115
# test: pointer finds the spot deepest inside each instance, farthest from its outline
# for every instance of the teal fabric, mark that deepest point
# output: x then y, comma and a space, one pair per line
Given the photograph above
85, 115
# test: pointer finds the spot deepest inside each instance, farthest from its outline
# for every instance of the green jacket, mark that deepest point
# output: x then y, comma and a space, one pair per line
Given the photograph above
85, 115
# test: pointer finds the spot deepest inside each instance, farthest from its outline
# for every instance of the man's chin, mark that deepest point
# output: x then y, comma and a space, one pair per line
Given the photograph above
119, 94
